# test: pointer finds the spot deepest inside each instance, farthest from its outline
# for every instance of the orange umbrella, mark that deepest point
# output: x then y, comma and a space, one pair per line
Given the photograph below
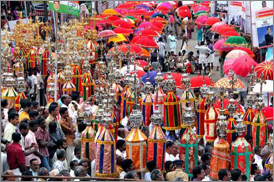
109, 12
124, 31
159, 19
147, 43
144, 53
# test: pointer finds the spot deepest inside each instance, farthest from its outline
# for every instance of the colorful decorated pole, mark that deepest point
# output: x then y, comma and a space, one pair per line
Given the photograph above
44, 64
241, 152
88, 136
211, 117
172, 116
21, 86
68, 86
77, 78
189, 145
147, 103
157, 141
220, 158
250, 113
231, 107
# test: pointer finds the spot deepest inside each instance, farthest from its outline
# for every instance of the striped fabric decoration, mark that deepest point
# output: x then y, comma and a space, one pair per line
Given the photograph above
77, 78
130, 101
88, 86
186, 96
25, 62
18, 99
68, 87
44, 61
241, 156
230, 129
172, 116
38, 57
118, 91
136, 149
157, 147
32, 59
259, 130
201, 109
105, 165
220, 158
248, 118
147, 108
161, 100
189, 151
9, 94
124, 103
210, 121
88, 143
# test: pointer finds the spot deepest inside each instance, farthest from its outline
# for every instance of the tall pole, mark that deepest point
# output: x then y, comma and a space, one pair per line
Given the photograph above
45, 11
55, 71
26, 10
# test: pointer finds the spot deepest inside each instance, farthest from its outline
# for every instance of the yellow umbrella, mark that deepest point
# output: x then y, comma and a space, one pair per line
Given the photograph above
119, 38
110, 12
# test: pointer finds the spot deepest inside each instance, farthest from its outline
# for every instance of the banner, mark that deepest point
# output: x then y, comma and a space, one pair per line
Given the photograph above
262, 23
269, 54
39, 9
222, 7
68, 7
236, 14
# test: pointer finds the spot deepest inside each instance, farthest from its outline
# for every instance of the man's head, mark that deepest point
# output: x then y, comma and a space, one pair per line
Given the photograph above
33, 115
43, 172
171, 32
4, 103
257, 150
53, 109
33, 126
127, 165
121, 145
263, 4
26, 105
178, 164
65, 99
34, 165
169, 166
198, 173
80, 171
61, 144
43, 112
61, 154
151, 165
223, 175
77, 152
13, 118
52, 127
206, 158
197, 92
236, 175
131, 175
24, 128
170, 147
85, 163
11, 176
34, 105
206, 168
16, 137
208, 149
64, 112
75, 96
73, 164
156, 175
41, 123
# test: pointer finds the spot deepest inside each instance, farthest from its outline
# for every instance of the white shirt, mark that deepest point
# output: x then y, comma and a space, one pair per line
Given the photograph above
122, 154
4, 162
71, 173
9, 130
170, 157
34, 81
34, 174
162, 48
147, 176
92, 166
258, 161
75, 158
59, 165
206, 178
5, 120
122, 174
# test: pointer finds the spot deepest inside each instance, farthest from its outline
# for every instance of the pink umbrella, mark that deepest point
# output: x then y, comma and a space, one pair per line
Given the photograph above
242, 65
145, 24
201, 19
220, 46
107, 34
236, 54
165, 4
218, 26
228, 65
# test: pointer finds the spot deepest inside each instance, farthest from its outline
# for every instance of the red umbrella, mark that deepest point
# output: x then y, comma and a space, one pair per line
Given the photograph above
198, 81
149, 14
218, 26
159, 19
228, 65
177, 77
242, 65
121, 23
266, 68
183, 11
125, 6
107, 34
163, 8
217, 106
145, 24
138, 11
141, 63
158, 24
247, 50
148, 32
123, 48
268, 113
229, 33
139, 73
134, 40
125, 32
211, 21
225, 29
112, 18
146, 43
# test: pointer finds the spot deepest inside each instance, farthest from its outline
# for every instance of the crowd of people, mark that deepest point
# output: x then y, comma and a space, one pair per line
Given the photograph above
43, 143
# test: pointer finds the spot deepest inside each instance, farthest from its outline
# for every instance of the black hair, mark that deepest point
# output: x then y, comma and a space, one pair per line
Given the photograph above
126, 164
60, 153
26, 103
52, 106
167, 164
205, 157
160, 39
33, 114
202, 43
222, 173
235, 174
208, 148
254, 167
12, 115
169, 144
195, 90
52, 125
25, 121
82, 126
27, 173
204, 166
4, 103
62, 110
72, 163
12, 110
268, 27
34, 103
196, 171
243, 177
40, 120
32, 123
129, 175
151, 165
257, 149
77, 149
63, 98
64, 172
16, 137
60, 142
23, 126
120, 143
75, 95
248, 137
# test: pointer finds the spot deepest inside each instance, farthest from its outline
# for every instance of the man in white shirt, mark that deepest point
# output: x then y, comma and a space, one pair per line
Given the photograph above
151, 165
66, 99
127, 166
34, 168
162, 47
59, 164
170, 147
72, 165
172, 42
121, 148
4, 105
257, 157
34, 83
11, 126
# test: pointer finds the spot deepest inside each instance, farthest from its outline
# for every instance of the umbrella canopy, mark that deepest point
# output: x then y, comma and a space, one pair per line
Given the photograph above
217, 26
145, 24
149, 33
199, 13
226, 83
267, 87
159, 19
268, 113
165, 4
121, 23
220, 46
201, 19
228, 65
211, 21
163, 9
160, 15
242, 65
225, 29
177, 77
111, 19
124, 31
133, 41
145, 53
143, 6
139, 11
158, 24
125, 6
236, 54
146, 43
119, 38
107, 34
183, 11
247, 50
266, 68
152, 75
124, 48
139, 73
198, 81
141, 63
109, 12
229, 34
236, 41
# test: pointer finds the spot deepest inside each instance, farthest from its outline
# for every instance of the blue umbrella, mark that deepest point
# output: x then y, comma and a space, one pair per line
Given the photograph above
158, 15
152, 75
138, 29
142, 6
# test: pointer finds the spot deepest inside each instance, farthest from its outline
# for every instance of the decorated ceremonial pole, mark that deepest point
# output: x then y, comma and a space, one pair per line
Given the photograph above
55, 15
231, 107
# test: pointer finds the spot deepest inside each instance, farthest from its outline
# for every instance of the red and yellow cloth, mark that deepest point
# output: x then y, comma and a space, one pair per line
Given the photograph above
172, 115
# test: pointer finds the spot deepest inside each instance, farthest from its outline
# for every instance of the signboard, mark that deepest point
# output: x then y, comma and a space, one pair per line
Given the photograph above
39, 9
262, 23
221, 6
68, 7
236, 14
13, 23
